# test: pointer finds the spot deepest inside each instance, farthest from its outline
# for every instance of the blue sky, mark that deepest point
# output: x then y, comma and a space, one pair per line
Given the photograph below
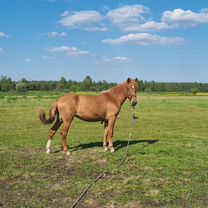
106, 39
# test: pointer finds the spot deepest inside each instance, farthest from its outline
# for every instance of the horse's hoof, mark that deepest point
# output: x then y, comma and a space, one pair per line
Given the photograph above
105, 148
48, 151
68, 153
112, 149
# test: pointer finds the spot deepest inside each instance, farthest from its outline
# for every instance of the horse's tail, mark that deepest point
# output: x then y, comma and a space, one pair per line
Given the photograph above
52, 115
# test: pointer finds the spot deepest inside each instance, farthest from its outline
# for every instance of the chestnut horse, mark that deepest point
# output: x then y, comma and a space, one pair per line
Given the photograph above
104, 107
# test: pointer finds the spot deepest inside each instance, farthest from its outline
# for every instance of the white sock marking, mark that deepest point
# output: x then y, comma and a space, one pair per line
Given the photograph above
68, 153
48, 146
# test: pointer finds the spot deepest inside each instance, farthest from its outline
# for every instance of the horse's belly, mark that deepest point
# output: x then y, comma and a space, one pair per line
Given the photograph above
91, 116
91, 108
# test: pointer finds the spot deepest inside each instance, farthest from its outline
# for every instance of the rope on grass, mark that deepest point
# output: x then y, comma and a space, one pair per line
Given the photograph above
115, 167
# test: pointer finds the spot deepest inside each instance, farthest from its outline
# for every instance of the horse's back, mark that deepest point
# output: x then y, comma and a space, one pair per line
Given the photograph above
69, 98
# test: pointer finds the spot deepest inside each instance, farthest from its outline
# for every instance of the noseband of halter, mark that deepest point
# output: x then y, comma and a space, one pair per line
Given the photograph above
130, 95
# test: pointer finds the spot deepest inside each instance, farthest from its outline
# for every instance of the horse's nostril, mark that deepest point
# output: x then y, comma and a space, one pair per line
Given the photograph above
134, 103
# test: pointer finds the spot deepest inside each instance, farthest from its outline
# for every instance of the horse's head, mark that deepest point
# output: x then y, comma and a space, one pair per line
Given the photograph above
131, 89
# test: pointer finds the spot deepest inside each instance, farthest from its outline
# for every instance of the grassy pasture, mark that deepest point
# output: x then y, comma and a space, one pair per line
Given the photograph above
167, 164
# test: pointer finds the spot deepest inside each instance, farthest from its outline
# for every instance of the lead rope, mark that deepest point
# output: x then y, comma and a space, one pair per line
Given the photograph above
117, 166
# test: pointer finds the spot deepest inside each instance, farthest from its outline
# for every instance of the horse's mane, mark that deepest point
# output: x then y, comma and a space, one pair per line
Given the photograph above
113, 88
104, 91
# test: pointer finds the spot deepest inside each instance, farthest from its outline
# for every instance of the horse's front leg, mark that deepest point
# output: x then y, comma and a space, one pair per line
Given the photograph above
111, 124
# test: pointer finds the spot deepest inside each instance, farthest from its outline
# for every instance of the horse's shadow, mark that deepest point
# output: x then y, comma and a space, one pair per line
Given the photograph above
119, 144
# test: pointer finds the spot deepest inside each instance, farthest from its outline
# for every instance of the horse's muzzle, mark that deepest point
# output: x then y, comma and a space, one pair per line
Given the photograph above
133, 101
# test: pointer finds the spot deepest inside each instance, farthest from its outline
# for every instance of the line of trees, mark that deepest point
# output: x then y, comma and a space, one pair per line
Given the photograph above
7, 84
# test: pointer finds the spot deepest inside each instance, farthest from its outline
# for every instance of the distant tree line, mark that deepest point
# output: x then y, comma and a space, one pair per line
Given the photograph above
7, 84
192, 87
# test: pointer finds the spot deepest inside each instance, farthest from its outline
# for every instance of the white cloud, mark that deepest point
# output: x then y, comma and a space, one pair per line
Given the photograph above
185, 17
48, 57
148, 26
60, 49
28, 59
56, 34
69, 51
115, 59
129, 14
3, 35
78, 19
99, 29
144, 39
64, 14
1, 50
133, 18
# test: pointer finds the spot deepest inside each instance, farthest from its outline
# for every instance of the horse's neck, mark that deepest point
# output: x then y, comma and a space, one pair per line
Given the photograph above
119, 92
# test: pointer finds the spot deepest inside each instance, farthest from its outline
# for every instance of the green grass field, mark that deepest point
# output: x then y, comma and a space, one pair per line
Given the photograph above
167, 164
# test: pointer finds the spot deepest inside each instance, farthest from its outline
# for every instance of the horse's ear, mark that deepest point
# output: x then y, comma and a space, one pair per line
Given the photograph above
136, 79
128, 80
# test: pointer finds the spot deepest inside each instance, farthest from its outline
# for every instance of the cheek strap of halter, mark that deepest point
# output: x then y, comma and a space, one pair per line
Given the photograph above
128, 93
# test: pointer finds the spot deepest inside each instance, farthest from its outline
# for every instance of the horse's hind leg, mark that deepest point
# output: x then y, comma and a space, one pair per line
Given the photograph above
105, 141
67, 123
52, 133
